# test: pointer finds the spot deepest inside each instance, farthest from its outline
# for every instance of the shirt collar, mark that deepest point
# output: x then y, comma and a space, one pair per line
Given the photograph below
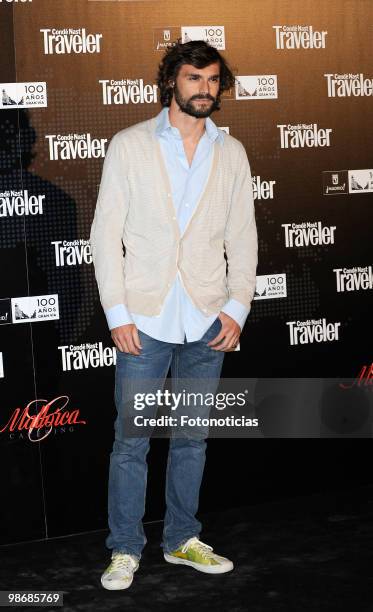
163, 124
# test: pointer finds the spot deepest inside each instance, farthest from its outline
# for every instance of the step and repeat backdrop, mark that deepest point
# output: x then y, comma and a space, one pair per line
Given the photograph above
74, 72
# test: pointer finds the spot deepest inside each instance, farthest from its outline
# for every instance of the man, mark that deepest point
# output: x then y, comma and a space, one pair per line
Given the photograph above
176, 191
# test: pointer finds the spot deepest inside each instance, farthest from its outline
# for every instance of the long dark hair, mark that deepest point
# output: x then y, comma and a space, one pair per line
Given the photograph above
199, 54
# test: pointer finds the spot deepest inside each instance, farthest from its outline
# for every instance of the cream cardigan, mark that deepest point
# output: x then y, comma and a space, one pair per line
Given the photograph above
135, 207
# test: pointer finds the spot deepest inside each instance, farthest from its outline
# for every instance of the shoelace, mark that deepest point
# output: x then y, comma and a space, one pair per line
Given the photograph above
203, 549
121, 562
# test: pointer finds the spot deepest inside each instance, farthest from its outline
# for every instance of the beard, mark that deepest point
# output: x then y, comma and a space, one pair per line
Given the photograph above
187, 106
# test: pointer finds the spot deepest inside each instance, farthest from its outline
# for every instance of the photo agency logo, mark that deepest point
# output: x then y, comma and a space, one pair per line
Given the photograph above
256, 87
299, 37
31, 309
74, 146
23, 95
69, 41
214, 35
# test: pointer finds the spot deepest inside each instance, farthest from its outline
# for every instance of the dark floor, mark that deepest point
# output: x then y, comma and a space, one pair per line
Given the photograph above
309, 554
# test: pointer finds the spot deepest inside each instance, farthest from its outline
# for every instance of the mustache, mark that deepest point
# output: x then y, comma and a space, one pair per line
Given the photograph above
206, 97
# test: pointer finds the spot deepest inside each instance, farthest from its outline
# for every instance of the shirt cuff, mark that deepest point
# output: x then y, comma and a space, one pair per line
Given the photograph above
118, 315
237, 311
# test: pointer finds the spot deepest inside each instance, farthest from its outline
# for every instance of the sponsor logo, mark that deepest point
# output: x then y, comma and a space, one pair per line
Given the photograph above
308, 233
1, 366
270, 286
50, 415
87, 356
69, 40
360, 181
23, 95
302, 135
30, 309
299, 37
5, 312
214, 35
263, 190
335, 182
128, 91
353, 279
346, 85
163, 38
307, 332
20, 203
72, 146
72, 253
258, 87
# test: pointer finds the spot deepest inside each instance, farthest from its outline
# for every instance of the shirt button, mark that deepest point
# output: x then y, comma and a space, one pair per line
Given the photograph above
168, 195
174, 218
186, 204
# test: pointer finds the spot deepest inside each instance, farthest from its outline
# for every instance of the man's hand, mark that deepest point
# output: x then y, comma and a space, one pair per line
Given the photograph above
126, 338
229, 335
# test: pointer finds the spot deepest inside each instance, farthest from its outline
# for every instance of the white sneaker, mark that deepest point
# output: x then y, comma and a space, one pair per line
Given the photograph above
119, 574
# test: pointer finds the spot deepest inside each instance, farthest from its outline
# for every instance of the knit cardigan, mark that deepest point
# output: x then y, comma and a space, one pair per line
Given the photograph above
135, 209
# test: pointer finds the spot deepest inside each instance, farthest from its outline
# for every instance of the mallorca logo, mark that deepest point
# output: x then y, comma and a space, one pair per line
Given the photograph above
270, 286
72, 253
163, 38
128, 91
23, 95
335, 182
20, 203
307, 332
35, 308
263, 190
299, 37
353, 279
69, 40
308, 233
345, 85
257, 87
303, 135
72, 146
214, 35
87, 356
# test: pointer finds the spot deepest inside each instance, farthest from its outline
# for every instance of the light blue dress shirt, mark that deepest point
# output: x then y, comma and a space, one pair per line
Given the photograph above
180, 320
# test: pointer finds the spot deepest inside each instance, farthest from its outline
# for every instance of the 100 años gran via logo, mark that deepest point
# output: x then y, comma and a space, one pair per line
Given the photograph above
69, 40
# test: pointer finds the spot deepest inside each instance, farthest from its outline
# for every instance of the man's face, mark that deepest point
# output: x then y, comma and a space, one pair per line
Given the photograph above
196, 89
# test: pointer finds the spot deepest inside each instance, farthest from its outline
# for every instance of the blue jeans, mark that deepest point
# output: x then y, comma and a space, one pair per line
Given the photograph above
186, 455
